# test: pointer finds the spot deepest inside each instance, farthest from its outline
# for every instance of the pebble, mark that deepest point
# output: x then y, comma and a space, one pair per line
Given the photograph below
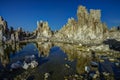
67, 65
46, 75
76, 75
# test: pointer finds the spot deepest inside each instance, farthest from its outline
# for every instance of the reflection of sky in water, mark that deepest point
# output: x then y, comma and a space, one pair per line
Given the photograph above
29, 49
51, 59
58, 59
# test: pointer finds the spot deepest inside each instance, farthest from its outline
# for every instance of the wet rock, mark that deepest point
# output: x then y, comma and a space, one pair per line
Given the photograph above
117, 64
33, 64
25, 66
94, 64
16, 65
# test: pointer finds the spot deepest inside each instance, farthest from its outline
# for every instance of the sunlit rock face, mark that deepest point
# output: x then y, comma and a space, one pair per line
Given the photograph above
3, 29
1, 33
43, 30
114, 33
87, 28
13, 37
4, 24
19, 34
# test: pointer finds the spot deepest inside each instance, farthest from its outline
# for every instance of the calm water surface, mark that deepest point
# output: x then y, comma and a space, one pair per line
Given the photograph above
56, 60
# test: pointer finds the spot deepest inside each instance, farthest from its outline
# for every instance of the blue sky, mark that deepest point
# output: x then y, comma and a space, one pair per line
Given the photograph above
26, 13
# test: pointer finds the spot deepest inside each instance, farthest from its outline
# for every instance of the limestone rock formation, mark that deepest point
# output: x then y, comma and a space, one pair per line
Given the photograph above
4, 24
3, 29
87, 28
43, 30
1, 33
17, 35
114, 33
12, 37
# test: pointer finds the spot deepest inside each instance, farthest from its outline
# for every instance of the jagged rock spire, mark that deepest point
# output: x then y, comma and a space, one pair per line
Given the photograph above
87, 28
43, 29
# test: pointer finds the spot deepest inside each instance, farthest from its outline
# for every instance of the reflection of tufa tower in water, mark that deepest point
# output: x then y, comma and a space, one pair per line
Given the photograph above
82, 57
4, 57
44, 48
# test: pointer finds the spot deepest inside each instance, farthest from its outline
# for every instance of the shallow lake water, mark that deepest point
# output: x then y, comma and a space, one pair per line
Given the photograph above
56, 61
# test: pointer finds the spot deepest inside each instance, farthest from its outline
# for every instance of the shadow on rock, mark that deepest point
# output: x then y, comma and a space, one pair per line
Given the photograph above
113, 44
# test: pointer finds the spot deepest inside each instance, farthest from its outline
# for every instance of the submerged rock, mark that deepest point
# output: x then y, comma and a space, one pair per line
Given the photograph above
87, 69
94, 64
29, 58
16, 65
29, 62
25, 66
67, 65
33, 64
117, 64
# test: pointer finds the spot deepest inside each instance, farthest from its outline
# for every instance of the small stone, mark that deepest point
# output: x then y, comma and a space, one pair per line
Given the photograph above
95, 76
46, 75
67, 65
76, 75
65, 58
65, 79
106, 74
